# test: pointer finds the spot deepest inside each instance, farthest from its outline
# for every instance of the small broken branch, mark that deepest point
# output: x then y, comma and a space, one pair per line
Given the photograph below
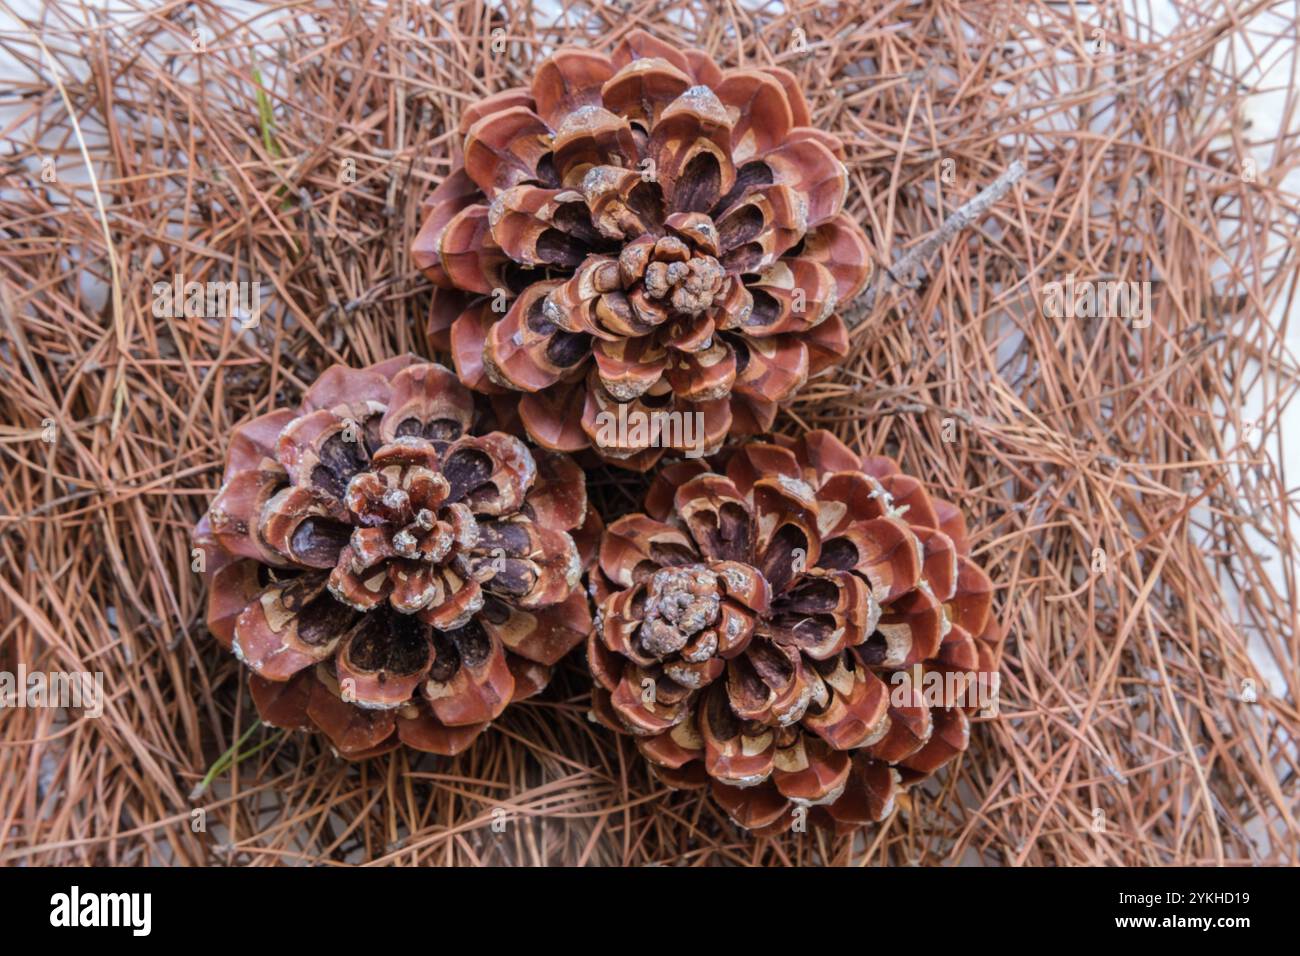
906, 266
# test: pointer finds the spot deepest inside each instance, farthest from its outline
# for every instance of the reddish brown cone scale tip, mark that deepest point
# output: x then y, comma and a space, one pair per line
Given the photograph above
803, 630
643, 229
388, 576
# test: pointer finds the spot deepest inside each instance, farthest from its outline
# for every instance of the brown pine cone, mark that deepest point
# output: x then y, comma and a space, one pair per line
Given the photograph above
763, 630
388, 576
643, 229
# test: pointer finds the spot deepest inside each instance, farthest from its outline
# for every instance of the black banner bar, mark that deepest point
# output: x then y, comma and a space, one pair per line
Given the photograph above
300, 905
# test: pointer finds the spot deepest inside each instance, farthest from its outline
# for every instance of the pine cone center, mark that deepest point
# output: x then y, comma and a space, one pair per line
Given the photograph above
681, 603
400, 508
688, 281
414, 531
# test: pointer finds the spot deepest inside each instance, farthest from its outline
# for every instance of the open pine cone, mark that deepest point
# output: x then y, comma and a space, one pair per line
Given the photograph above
751, 625
387, 575
643, 229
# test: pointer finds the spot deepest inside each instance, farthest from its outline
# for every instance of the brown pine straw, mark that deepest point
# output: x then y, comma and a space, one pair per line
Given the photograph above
1122, 685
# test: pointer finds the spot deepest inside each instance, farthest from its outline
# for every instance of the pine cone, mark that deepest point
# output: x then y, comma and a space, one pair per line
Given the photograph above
671, 238
387, 575
761, 631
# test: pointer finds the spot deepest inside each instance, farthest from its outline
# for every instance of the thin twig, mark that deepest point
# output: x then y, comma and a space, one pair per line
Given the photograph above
906, 267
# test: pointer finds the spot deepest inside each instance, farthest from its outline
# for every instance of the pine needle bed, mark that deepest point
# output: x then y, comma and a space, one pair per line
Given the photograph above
1126, 476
